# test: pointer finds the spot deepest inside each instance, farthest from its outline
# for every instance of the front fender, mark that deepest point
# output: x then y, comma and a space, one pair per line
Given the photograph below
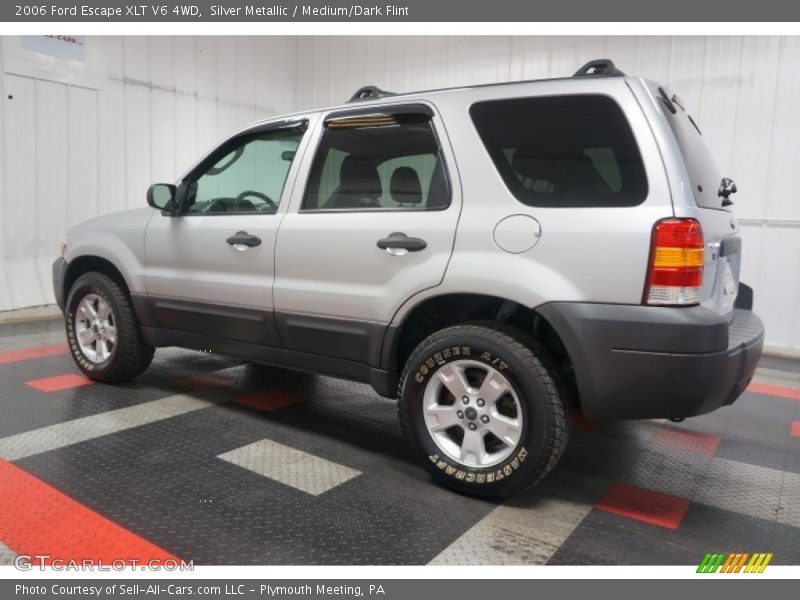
117, 238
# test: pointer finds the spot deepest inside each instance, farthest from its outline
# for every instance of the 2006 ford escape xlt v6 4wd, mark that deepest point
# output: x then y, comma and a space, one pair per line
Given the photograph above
499, 254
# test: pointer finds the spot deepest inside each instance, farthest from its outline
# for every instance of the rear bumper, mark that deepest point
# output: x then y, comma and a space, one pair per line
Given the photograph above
641, 362
59, 271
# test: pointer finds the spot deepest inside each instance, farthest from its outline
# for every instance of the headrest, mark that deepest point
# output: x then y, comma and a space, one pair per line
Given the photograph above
358, 175
528, 161
560, 174
405, 186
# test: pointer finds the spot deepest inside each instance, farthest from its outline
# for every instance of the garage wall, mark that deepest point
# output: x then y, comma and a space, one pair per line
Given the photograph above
81, 139
744, 91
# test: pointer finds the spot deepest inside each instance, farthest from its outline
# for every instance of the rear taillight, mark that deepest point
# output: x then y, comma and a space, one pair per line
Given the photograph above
675, 272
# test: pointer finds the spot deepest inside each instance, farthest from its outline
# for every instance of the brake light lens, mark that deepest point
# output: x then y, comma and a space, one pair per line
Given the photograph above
675, 272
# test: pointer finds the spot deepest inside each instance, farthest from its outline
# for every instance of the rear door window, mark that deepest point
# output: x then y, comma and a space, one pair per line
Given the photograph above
563, 151
378, 162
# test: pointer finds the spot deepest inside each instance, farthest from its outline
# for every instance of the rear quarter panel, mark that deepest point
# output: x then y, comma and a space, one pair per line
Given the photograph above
596, 254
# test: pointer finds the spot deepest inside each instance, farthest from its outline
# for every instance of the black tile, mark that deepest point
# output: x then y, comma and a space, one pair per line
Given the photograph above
605, 538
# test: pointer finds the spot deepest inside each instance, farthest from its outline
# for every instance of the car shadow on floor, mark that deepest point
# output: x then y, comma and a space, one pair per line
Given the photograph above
349, 412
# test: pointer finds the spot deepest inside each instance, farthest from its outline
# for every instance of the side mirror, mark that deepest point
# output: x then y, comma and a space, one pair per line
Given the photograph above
161, 196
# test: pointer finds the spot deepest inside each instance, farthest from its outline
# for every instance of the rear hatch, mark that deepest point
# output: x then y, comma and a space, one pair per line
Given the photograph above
714, 209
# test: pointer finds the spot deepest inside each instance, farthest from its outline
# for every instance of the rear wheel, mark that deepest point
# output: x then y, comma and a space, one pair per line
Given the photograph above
484, 412
102, 330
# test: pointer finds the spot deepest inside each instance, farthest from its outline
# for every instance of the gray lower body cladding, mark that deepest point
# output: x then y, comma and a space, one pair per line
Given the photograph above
640, 362
326, 346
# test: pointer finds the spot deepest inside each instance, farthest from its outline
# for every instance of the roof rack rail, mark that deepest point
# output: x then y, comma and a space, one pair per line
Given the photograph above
369, 92
602, 67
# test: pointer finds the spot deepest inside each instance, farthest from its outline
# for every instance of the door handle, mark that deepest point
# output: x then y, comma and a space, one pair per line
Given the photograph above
242, 240
400, 241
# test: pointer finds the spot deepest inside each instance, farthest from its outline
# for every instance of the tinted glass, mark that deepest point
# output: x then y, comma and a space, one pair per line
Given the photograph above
390, 163
703, 172
563, 151
249, 177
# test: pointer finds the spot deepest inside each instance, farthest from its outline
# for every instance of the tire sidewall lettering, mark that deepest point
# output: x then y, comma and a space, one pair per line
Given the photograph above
428, 365
484, 476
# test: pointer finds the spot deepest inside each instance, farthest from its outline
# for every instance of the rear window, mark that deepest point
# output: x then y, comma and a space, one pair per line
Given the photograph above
563, 151
703, 172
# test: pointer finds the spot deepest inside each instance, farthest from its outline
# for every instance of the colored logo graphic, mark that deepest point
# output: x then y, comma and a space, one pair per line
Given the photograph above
735, 562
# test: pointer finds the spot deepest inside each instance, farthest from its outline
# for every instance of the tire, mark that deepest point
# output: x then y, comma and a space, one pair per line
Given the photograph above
530, 417
100, 359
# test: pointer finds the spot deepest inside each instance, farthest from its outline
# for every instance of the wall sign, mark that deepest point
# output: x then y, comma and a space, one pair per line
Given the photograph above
72, 47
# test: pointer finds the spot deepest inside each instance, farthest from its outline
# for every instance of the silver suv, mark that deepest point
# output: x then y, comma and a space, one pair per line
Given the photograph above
496, 256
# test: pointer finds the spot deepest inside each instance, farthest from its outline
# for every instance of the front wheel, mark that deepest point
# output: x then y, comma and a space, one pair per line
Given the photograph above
102, 330
485, 413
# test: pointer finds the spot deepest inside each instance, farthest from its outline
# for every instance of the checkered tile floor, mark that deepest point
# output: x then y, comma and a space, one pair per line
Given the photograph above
210, 459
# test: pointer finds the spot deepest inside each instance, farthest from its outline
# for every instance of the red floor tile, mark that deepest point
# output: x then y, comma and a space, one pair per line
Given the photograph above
693, 441
36, 518
28, 353
796, 428
774, 390
59, 382
644, 505
268, 401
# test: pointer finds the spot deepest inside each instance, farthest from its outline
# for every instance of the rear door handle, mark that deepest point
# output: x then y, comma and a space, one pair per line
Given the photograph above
242, 240
400, 241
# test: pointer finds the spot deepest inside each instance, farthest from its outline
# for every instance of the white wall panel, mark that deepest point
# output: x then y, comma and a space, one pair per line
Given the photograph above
719, 96
755, 123
89, 138
5, 291
162, 135
654, 57
136, 58
84, 155
782, 179
206, 125
19, 184
161, 61
186, 134
137, 151
205, 60
52, 152
112, 172
185, 74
